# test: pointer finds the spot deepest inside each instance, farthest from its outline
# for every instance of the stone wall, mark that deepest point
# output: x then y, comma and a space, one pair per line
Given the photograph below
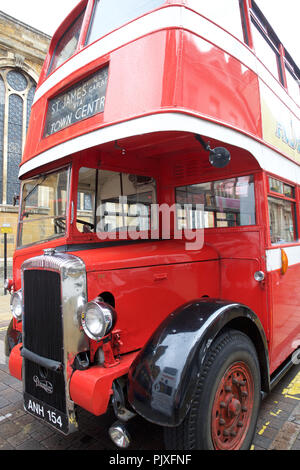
22, 49
22, 46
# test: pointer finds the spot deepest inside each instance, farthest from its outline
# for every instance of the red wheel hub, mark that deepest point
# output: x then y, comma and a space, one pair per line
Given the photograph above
232, 407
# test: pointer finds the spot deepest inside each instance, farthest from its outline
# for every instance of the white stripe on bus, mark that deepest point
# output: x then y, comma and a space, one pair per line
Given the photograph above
273, 257
267, 158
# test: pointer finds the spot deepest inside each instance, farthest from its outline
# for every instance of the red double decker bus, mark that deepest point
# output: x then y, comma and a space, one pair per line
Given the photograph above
157, 260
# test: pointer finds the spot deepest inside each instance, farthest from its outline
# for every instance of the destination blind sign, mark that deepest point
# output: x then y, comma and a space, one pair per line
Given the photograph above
82, 101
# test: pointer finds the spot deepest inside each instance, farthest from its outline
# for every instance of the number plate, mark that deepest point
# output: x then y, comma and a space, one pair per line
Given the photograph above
45, 412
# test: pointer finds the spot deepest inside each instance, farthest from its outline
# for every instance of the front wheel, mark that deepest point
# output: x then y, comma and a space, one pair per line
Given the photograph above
226, 399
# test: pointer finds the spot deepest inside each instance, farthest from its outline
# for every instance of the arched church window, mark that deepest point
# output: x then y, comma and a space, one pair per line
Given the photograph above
16, 96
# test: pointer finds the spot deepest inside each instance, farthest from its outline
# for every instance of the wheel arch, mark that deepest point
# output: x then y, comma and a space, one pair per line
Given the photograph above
163, 376
244, 325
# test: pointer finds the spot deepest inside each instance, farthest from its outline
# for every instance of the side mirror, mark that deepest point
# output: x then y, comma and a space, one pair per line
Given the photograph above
219, 157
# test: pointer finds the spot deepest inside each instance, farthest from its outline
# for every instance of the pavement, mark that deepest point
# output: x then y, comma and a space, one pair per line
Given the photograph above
8, 275
278, 426
5, 315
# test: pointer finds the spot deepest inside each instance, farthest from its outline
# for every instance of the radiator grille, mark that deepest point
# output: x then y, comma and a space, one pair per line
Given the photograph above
43, 335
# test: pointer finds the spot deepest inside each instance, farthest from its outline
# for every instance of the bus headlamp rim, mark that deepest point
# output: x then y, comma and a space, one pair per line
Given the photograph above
16, 302
8, 284
104, 315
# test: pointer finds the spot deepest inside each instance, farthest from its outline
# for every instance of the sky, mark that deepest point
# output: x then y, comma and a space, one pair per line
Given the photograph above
46, 16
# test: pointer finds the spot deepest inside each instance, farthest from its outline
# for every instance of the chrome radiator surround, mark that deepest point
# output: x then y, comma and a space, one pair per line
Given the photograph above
73, 285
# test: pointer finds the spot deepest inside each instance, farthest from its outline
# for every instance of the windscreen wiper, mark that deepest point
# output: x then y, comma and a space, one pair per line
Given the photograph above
34, 188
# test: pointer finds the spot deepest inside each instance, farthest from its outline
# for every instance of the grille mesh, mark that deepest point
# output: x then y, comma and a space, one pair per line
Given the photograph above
43, 334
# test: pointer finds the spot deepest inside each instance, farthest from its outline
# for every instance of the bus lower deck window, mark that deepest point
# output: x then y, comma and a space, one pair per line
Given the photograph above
224, 203
122, 201
282, 203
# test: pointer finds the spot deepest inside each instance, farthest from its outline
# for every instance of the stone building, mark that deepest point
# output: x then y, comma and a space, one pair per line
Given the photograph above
22, 53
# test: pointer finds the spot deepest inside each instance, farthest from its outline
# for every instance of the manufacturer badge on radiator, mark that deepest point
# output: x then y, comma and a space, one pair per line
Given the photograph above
44, 384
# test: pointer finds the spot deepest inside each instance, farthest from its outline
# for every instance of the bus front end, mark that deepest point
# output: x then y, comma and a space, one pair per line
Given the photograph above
144, 260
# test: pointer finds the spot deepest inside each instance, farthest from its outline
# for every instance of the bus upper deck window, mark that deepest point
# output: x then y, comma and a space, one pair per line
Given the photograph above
265, 50
111, 14
122, 201
67, 44
292, 85
226, 14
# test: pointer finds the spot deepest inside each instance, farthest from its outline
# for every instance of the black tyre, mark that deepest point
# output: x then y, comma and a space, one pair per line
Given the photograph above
226, 400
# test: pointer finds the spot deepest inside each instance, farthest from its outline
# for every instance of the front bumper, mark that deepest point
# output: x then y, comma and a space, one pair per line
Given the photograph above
90, 389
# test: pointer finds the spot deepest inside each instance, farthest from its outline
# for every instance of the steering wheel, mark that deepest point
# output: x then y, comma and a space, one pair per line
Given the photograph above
60, 223
84, 222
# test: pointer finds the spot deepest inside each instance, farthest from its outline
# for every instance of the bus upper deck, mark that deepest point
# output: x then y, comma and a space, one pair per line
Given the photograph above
114, 71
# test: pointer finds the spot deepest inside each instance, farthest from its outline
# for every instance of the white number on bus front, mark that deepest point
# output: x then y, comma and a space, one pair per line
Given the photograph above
54, 419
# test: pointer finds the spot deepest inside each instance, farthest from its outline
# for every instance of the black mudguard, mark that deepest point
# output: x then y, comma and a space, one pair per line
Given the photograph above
163, 376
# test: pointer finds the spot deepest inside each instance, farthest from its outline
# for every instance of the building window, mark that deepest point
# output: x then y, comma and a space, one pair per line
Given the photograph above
282, 204
2, 107
16, 96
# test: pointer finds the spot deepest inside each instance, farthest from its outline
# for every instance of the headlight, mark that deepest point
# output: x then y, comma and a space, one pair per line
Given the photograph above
8, 283
97, 319
16, 305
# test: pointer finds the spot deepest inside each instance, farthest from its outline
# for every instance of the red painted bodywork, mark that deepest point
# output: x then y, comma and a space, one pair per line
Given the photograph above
15, 362
167, 70
91, 389
187, 78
